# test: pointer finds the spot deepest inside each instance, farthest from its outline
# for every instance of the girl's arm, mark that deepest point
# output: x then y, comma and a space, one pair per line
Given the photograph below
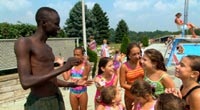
167, 81
122, 77
97, 84
66, 75
86, 71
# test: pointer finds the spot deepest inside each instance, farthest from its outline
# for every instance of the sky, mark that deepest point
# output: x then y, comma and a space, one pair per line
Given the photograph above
140, 15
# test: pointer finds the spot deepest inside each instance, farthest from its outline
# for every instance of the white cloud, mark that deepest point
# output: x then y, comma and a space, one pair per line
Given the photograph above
63, 8
130, 5
14, 5
160, 6
28, 17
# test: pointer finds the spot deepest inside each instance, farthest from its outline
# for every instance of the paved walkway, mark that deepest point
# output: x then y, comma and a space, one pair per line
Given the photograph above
18, 105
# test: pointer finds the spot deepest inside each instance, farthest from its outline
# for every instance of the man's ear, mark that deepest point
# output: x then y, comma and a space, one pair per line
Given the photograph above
43, 21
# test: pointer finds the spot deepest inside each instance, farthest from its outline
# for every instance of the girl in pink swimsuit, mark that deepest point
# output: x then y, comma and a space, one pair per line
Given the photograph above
111, 99
78, 95
105, 78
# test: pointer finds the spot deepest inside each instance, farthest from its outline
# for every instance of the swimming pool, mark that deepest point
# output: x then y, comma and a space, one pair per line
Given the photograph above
189, 49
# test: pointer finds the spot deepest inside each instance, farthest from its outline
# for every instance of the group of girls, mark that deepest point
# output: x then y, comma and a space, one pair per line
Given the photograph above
144, 79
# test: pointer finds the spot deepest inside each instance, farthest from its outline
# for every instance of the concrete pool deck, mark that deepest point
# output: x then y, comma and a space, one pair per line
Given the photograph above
19, 104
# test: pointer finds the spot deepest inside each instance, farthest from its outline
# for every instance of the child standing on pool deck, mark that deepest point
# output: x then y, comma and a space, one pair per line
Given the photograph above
105, 78
111, 98
155, 71
78, 95
130, 71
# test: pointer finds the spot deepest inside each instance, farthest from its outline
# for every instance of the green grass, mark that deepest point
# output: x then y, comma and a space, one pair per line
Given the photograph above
113, 47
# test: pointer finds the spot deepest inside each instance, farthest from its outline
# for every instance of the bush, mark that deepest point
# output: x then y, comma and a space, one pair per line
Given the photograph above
145, 41
92, 58
125, 42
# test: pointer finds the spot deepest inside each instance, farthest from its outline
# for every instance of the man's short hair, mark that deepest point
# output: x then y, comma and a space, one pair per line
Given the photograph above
43, 14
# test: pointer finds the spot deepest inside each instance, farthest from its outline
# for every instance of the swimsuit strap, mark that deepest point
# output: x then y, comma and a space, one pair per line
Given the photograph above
190, 91
162, 77
111, 81
128, 66
82, 68
145, 76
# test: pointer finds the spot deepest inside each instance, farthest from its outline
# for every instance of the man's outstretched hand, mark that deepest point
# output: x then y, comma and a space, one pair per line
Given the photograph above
82, 82
73, 61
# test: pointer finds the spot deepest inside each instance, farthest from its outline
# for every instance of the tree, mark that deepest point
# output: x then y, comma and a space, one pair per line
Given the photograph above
13, 31
124, 45
112, 35
145, 41
73, 24
93, 58
101, 24
121, 31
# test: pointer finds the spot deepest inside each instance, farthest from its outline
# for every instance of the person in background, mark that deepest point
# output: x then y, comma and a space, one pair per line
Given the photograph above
180, 49
105, 49
35, 63
117, 61
92, 44
181, 25
123, 57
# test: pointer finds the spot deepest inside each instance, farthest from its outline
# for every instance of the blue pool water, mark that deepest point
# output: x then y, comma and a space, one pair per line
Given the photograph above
189, 49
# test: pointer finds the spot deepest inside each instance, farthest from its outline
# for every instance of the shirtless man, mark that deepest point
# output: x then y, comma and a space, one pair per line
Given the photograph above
35, 62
